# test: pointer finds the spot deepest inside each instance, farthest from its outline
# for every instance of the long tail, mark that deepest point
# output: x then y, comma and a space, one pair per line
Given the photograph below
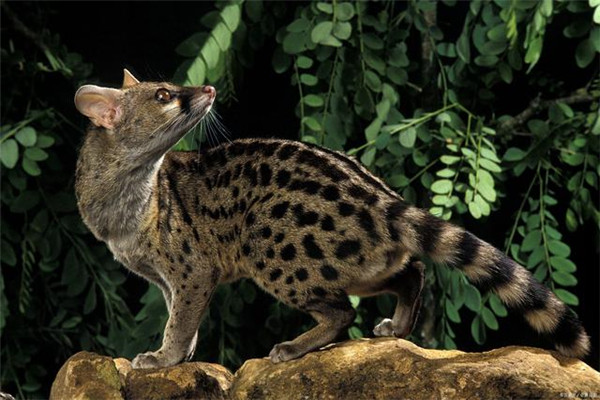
489, 269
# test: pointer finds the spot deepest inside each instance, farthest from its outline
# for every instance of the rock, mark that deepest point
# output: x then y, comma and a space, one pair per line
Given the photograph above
397, 369
123, 366
381, 368
90, 376
196, 380
87, 376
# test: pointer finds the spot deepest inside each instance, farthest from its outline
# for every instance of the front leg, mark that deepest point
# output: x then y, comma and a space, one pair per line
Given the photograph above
191, 297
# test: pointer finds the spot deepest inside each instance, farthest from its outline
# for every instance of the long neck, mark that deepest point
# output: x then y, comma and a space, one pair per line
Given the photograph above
112, 196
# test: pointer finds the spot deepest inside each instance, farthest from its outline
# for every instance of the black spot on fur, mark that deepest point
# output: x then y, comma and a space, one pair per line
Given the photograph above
260, 265
345, 209
266, 232
289, 280
235, 149
334, 173
270, 253
250, 173
279, 237
250, 218
311, 158
286, 151
347, 248
305, 218
216, 157
279, 210
288, 252
275, 274
365, 220
265, 174
327, 223
246, 249
237, 171
225, 179
283, 178
301, 274
235, 191
319, 291
329, 273
252, 148
358, 192
330, 193
186, 247
308, 186
292, 293
266, 197
269, 149
312, 249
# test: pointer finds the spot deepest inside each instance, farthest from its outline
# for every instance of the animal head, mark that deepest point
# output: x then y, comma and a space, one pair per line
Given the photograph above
144, 118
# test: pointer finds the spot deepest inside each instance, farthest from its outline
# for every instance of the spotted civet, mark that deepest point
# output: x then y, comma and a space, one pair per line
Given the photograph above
308, 225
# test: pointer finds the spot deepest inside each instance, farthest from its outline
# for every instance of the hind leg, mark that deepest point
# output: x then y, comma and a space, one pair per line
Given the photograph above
333, 316
407, 285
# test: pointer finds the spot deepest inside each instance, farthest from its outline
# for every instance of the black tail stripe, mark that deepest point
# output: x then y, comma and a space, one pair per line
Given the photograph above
467, 250
568, 329
535, 297
500, 272
429, 230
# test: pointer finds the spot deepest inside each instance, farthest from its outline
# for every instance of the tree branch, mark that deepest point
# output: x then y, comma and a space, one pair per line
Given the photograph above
429, 93
21, 27
537, 104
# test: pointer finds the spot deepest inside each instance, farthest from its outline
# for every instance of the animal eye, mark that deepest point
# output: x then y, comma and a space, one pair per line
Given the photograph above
163, 95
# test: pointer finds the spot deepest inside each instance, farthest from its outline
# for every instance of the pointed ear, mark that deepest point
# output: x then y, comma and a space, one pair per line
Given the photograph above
128, 79
99, 104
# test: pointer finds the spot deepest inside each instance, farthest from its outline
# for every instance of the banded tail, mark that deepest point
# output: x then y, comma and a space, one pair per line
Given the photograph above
487, 268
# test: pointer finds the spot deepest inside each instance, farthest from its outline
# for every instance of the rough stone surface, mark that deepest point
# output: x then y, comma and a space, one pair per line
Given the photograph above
195, 380
397, 369
362, 369
90, 376
87, 376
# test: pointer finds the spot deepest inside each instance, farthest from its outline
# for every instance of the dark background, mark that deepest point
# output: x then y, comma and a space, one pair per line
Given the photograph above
142, 36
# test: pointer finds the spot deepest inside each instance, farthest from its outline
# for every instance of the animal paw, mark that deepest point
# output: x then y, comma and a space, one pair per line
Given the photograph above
151, 359
384, 328
284, 352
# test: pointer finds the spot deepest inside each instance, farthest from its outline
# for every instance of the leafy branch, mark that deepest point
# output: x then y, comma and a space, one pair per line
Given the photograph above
537, 105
